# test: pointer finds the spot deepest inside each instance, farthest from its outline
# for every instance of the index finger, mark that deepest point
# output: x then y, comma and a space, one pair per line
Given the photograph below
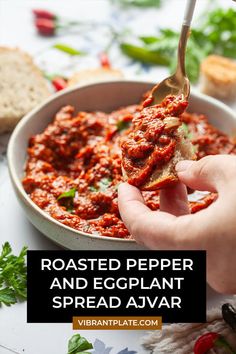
159, 229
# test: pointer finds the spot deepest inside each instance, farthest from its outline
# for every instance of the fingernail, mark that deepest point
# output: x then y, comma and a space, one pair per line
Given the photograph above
183, 165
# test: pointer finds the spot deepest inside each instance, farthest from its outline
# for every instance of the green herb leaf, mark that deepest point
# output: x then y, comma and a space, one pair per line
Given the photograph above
12, 275
68, 194
7, 296
215, 35
186, 131
67, 49
121, 125
78, 345
140, 3
104, 183
50, 77
93, 189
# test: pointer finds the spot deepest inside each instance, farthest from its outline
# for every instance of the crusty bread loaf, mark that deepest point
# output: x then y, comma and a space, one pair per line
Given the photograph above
218, 77
22, 87
94, 75
166, 175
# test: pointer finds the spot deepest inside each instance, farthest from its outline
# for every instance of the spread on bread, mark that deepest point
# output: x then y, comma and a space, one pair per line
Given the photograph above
155, 144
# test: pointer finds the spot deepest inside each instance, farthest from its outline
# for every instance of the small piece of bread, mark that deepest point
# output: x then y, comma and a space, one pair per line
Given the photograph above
94, 75
166, 174
22, 87
154, 145
218, 77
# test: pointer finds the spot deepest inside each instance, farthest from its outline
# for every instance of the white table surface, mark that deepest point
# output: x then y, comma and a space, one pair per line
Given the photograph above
16, 30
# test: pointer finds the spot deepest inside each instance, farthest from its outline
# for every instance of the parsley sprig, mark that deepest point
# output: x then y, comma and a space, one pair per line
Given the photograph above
12, 275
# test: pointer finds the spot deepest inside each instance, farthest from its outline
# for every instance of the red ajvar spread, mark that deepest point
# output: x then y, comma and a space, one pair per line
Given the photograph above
151, 143
78, 156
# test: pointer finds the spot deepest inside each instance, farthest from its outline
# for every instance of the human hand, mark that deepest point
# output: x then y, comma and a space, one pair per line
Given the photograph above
172, 227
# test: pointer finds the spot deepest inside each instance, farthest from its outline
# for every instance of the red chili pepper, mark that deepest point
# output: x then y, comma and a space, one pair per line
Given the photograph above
105, 61
59, 83
209, 341
39, 13
45, 27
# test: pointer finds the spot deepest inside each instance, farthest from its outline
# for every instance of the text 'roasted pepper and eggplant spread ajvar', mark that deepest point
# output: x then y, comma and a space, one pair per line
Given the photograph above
74, 166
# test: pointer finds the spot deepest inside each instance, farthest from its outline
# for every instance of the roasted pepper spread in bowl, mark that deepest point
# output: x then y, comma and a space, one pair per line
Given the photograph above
74, 167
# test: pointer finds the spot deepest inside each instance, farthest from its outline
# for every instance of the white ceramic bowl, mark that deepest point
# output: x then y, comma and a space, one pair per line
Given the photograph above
106, 97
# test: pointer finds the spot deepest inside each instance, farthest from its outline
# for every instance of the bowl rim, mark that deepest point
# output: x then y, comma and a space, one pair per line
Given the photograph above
17, 182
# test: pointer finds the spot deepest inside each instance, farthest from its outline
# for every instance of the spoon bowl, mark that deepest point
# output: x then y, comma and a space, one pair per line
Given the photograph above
173, 86
177, 84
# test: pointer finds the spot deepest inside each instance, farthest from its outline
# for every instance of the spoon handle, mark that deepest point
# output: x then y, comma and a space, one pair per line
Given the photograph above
180, 70
189, 12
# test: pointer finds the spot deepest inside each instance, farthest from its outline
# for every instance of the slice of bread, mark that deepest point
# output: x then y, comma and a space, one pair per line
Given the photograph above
165, 175
22, 87
218, 77
94, 75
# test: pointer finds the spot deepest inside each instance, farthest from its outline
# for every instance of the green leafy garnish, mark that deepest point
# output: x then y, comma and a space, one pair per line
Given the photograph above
102, 185
93, 189
216, 34
122, 125
187, 133
67, 199
67, 49
140, 3
12, 276
68, 194
79, 345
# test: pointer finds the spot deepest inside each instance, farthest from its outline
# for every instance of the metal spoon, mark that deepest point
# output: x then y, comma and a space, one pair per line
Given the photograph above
177, 84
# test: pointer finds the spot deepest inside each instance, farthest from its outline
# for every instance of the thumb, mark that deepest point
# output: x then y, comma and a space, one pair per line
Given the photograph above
211, 173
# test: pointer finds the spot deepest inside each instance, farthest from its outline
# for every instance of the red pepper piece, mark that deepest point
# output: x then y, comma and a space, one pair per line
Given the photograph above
105, 61
39, 13
209, 341
148, 101
45, 27
59, 83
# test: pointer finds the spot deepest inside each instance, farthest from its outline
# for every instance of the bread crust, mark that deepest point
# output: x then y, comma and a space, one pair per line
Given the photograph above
218, 77
22, 86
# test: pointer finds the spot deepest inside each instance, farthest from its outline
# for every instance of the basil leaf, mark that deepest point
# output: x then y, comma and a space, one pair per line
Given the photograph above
121, 125
67, 49
78, 345
69, 194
